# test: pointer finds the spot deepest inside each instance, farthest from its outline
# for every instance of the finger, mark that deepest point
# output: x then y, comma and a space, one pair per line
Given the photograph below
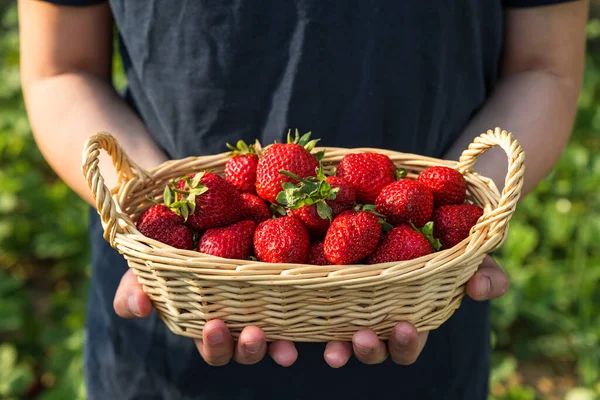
405, 344
489, 282
130, 300
283, 352
216, 346
368, 348
251, 346
337, 353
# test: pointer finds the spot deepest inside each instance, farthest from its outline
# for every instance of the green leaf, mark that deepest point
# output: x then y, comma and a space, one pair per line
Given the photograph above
304, 139
288, 186
243, 146
196, 181
11, 314
191, 199
198, 190
15, 378
282, 198
320, 154
230, 147
8, 283
400, 173
178, 204
185, 211
168, 196
324, 189
427, 231
324, 210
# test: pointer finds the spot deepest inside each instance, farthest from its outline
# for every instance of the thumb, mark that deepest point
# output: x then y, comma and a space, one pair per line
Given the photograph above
130, 300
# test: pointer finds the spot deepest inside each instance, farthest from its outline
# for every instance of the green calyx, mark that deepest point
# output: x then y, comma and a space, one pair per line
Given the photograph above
427, 231
241, 148
312, 190
183, 201
400, 173
386, 226
303, 140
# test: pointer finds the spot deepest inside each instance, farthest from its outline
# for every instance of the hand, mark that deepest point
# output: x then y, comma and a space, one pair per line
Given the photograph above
217, 346
405, 344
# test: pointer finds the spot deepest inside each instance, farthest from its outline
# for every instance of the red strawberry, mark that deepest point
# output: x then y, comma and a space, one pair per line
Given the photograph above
368, 173
210, 199
293, 156
233, 241
405, 201
310, 217
447, 185
401, 243
316, 256
452, 223
162, 224
345, 197
281, 240
255, 208
240, 169
309, 200
352, 236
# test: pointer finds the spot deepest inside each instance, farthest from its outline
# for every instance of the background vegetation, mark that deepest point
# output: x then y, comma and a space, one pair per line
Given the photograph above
546, 329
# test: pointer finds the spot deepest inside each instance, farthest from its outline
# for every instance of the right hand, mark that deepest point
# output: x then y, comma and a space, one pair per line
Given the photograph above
217, 346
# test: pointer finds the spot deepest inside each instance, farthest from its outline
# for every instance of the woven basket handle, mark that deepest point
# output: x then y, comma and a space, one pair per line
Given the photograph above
499, 216
126, 170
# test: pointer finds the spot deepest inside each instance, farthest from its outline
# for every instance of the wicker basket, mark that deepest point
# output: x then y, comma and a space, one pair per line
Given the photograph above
299, 302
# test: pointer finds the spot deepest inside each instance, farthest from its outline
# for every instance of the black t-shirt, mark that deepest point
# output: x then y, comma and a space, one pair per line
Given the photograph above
403, 75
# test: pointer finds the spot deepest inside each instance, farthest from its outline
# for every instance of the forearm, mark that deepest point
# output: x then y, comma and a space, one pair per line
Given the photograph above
64, 110
539, 108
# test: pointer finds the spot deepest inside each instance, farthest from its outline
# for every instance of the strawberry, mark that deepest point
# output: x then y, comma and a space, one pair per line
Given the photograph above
309, 215
233, 241
281, 240
293, 156
368, 173
162, 224
405, 201
209, 200
401, 243
316, 256
240, 169
255, 208
447, 185
308, 200
352, 236
452, 223
345, 197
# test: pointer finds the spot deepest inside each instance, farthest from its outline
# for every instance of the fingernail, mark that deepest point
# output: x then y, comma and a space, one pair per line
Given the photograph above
365, 351
215, 337
253, 347
132, 306
401, 338
485, 289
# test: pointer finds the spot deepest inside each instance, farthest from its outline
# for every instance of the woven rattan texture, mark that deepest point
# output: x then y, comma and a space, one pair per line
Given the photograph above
299, 302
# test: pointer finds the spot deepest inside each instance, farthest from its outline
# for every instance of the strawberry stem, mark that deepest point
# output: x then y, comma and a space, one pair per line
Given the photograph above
400, 173
427, 231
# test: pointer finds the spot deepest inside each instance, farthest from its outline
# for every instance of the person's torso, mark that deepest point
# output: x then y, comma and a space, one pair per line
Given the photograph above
402, 75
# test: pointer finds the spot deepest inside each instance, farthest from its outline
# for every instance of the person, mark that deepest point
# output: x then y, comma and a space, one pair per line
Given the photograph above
412, 76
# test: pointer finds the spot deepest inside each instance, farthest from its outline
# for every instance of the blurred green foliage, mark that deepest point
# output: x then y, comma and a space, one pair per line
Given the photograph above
550, 317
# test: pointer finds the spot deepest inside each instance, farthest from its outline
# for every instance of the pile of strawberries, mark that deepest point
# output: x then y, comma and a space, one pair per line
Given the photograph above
277, 205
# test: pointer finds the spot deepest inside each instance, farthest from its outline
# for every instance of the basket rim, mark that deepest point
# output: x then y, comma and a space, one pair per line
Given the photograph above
118, 208
195, 256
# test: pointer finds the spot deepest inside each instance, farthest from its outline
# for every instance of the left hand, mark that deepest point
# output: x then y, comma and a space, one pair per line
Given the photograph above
405, 344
